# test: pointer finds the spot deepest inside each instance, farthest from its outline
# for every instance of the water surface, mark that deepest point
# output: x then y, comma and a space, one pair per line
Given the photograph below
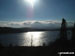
29, 38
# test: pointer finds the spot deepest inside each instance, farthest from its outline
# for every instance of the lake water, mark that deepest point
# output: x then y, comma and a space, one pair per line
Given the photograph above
29, 38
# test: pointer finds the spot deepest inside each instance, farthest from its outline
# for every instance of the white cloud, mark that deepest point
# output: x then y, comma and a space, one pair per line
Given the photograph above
34, 23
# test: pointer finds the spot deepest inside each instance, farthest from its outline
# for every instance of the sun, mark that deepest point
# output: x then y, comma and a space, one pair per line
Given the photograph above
31, 2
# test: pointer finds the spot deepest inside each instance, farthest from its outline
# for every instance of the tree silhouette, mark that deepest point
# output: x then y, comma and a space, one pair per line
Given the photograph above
63, 30
73, 34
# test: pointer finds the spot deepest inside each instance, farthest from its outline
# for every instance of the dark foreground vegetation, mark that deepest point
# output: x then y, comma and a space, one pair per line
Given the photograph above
60, 45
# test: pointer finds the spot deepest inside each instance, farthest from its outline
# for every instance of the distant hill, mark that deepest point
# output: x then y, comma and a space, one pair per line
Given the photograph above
12, 30
19, 30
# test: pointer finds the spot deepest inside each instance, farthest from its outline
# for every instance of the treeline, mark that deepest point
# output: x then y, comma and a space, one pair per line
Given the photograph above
12, 30
63, 41
63, 33
5, 30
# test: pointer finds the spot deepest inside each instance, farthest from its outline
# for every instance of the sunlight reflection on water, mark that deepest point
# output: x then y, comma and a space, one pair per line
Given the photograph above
33, 38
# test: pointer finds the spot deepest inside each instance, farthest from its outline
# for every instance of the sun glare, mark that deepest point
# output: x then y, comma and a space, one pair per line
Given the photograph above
35, 34
31, 2
34, 37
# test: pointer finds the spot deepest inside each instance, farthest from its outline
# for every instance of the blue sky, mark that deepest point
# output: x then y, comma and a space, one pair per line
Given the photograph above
18, 10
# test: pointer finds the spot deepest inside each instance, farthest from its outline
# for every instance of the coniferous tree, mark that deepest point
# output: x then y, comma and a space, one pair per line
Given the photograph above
73, 34
63, 31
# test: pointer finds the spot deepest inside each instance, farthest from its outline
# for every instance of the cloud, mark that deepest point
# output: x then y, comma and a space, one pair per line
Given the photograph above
35, 24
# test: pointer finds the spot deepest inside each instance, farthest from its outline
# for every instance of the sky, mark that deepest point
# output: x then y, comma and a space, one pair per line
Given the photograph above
13, 12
